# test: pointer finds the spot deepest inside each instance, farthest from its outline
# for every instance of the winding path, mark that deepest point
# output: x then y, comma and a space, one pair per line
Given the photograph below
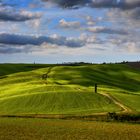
47, 74
124, 108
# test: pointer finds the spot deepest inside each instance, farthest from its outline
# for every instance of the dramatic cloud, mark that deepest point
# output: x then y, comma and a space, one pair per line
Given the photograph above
9, 14
12, 43
69, 3
13, 39
126, 4
76, 27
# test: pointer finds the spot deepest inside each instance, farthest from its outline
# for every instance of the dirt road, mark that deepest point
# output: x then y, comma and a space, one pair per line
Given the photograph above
124, 108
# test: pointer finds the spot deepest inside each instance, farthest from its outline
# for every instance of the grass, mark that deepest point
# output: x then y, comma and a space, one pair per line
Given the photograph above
70, 102
68, 90
130, 100
40, 129
115, 75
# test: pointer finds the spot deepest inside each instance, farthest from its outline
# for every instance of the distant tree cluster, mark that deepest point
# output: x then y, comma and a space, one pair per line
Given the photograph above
73, 63
123, 62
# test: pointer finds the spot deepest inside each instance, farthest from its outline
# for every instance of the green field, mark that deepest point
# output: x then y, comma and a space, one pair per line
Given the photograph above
68, 93
41, 129
68, 89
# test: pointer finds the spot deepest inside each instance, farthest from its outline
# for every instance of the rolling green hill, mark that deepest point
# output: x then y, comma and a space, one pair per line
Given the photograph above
67, 89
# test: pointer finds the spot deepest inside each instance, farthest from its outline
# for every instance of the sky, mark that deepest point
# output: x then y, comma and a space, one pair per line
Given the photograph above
56, 31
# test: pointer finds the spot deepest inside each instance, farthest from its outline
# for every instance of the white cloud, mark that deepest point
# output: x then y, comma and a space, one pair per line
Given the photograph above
69, 24
90, 21
35, 23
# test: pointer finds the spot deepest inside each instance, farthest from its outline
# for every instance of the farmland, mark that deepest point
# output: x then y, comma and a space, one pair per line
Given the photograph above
68, 89
65, 97
42, 129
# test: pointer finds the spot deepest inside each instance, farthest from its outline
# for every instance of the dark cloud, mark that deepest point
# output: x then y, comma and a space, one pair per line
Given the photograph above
125, 4
105, 3
14, 43
8, 13
135, 14
69, 3
7, 49
13, 39
130, 4
106, 30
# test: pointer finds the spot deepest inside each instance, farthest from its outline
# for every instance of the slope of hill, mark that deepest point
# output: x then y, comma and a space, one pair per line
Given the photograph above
67, 89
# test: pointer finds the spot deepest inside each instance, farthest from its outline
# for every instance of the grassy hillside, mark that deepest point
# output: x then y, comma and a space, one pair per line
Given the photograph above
67, 89
114, 75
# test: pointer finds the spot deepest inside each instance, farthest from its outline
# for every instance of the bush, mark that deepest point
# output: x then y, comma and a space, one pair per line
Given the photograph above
123, 117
